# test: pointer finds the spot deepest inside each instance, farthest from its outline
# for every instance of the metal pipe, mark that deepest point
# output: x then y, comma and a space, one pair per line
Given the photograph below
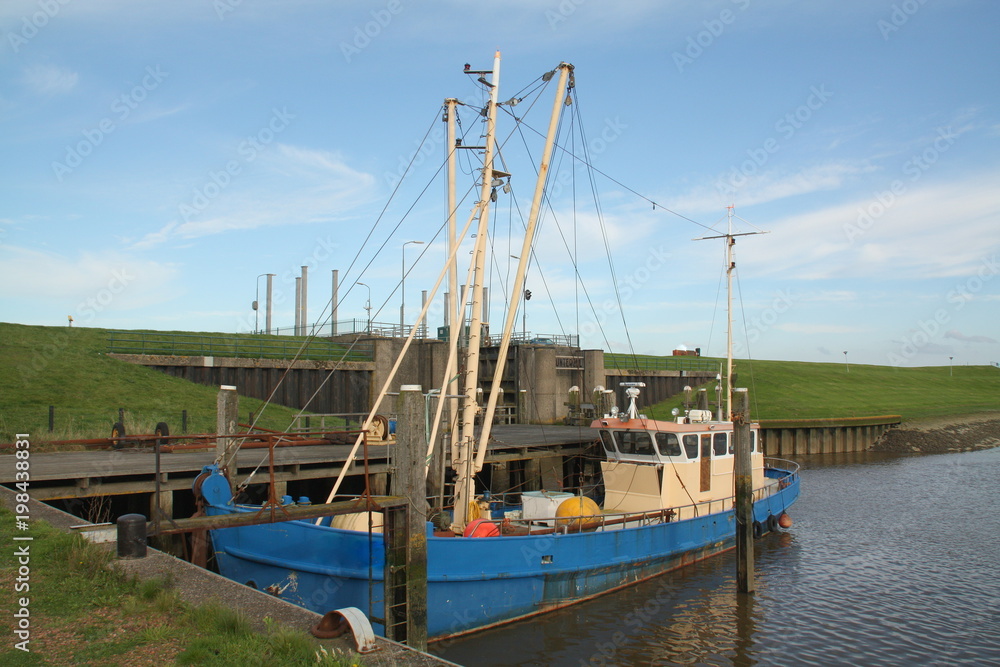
267, 318
305, 301
298, 305
333, 302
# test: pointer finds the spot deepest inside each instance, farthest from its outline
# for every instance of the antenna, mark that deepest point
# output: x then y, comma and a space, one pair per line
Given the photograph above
730, 237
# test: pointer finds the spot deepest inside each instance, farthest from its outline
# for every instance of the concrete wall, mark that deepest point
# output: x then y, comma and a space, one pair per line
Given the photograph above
823, 436
660, 385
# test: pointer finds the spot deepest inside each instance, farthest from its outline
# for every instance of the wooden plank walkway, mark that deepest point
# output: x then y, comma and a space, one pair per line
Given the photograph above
72, 474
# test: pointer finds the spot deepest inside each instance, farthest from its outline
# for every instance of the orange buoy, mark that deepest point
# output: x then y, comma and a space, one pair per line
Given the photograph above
577, 511
784, 520
481, 528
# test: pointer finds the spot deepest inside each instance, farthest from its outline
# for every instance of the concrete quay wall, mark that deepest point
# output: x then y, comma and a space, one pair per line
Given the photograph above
786, 437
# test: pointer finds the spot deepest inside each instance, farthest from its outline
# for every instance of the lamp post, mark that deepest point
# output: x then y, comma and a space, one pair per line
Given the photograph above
256, 305
402, 288
368, 306
845, 362
951, 367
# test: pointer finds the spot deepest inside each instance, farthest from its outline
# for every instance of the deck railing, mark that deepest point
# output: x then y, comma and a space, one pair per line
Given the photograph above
664, 515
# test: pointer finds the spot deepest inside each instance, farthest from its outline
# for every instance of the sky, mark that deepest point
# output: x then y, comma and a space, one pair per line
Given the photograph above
159, 157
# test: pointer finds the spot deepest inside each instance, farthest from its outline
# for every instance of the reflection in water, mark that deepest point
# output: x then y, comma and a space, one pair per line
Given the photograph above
744, 629
892, 560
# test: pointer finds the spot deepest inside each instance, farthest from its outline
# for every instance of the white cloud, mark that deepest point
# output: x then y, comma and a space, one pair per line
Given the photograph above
819, 328
766, 186
284, 185
49, 79
955, 334
117, 281
930, 230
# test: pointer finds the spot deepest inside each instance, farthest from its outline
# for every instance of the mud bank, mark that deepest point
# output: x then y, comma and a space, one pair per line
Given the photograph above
943, 434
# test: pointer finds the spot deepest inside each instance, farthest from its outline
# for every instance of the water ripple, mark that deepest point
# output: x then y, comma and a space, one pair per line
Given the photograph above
893, 560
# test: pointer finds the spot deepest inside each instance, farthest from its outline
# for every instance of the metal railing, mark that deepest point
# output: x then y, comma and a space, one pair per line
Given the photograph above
679, 513
235, 345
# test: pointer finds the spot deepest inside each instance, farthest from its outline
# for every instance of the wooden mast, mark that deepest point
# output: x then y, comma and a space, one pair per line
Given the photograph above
464, 482
565, 71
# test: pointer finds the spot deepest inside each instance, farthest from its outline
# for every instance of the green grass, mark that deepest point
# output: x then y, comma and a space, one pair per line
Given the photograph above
800, 390
69, 369
83, 612
247, 346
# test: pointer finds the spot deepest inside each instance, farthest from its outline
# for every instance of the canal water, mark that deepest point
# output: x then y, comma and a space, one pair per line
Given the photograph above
892, 560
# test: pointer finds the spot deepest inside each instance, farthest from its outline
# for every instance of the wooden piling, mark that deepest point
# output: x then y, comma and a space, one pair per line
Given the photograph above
744, 492
408, 480
227, 405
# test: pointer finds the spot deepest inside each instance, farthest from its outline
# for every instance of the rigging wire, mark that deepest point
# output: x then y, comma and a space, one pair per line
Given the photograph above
312, 335
743, 313
604, 234
308, 339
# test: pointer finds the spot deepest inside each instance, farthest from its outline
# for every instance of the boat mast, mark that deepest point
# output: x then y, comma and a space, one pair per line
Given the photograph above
565, 73
730, 238
464, 489
454, 307
730, 265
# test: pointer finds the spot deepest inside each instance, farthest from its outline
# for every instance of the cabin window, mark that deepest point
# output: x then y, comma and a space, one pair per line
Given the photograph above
753, 441
635, 442
720, 444
667, 444
609, 442
691, 446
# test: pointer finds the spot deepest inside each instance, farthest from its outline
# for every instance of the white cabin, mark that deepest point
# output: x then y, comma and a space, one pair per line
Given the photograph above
655, 464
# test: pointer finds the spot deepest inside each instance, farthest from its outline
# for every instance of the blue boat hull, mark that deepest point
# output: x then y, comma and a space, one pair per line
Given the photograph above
472, 583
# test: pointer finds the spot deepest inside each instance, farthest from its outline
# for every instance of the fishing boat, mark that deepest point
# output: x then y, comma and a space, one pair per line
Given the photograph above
666, 490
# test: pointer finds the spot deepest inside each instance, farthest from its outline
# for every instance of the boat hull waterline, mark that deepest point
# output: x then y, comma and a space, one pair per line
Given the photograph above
472, 582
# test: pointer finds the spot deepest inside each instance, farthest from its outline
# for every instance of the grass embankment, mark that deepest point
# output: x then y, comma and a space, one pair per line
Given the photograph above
800, 390
84, 613
69, 369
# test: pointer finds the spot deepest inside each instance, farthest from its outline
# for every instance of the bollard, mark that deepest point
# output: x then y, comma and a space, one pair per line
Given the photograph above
132, 536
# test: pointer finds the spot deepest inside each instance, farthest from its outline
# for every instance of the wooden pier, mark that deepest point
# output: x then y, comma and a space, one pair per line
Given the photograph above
61, 475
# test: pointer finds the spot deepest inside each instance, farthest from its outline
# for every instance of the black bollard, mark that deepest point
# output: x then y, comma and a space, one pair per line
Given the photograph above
132, 536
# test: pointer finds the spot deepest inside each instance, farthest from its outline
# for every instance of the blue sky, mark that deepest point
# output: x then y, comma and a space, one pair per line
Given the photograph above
159, 156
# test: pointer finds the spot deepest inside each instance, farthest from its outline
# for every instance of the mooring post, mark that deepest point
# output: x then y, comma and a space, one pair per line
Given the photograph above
227, 411
744, 491
408, 480
702, 399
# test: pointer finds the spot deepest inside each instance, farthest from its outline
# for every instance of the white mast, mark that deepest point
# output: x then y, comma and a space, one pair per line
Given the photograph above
455, 306
730, 267
464, 489
565, 72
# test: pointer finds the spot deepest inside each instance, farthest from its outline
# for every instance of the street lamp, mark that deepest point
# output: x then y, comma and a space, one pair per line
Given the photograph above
402, 288
845, 362
368, 306
951, 367
256, 306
